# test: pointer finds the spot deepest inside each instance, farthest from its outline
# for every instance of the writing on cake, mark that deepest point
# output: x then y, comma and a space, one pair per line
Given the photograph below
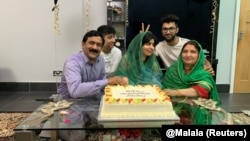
134, 94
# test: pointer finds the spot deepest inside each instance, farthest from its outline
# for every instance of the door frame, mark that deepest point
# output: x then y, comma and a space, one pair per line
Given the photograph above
235, 42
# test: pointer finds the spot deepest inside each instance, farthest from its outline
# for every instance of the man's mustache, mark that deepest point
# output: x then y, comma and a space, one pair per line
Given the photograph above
94, 50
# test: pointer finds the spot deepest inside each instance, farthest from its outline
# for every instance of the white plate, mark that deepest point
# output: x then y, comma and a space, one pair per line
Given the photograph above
247, 112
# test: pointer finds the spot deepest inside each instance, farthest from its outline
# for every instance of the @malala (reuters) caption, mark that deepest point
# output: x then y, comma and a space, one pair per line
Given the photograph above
205, 131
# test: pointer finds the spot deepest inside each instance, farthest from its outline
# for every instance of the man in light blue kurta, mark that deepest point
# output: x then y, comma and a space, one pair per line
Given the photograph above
84, 72
78, 69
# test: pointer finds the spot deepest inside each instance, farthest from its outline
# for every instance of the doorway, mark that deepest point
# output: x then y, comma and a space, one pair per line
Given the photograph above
242, 66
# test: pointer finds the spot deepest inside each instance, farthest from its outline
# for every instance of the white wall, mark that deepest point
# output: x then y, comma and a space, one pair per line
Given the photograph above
29, 49
227, 32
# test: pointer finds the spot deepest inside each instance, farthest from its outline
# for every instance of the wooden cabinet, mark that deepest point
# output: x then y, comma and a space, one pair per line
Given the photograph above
116, 17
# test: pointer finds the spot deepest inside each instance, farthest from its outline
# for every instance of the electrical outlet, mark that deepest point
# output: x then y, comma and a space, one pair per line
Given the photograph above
57, 73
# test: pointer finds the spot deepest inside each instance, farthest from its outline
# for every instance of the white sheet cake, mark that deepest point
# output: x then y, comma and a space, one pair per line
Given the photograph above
142, 102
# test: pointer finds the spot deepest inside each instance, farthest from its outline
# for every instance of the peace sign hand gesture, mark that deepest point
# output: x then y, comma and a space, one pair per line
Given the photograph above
143, 28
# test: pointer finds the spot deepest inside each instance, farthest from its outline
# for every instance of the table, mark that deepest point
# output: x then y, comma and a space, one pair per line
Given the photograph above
82, 115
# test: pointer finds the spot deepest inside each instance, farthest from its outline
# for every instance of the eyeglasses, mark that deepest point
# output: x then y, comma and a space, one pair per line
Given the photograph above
170, 29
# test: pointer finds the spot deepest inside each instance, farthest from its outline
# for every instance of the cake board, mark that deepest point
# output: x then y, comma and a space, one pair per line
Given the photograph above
133, 122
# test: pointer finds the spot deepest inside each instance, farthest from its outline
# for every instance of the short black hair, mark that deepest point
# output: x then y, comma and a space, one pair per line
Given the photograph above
92, 33
170, 18
106, 29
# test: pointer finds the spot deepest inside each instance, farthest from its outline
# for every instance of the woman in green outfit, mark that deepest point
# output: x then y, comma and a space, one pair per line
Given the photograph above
139, 64
186, 80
